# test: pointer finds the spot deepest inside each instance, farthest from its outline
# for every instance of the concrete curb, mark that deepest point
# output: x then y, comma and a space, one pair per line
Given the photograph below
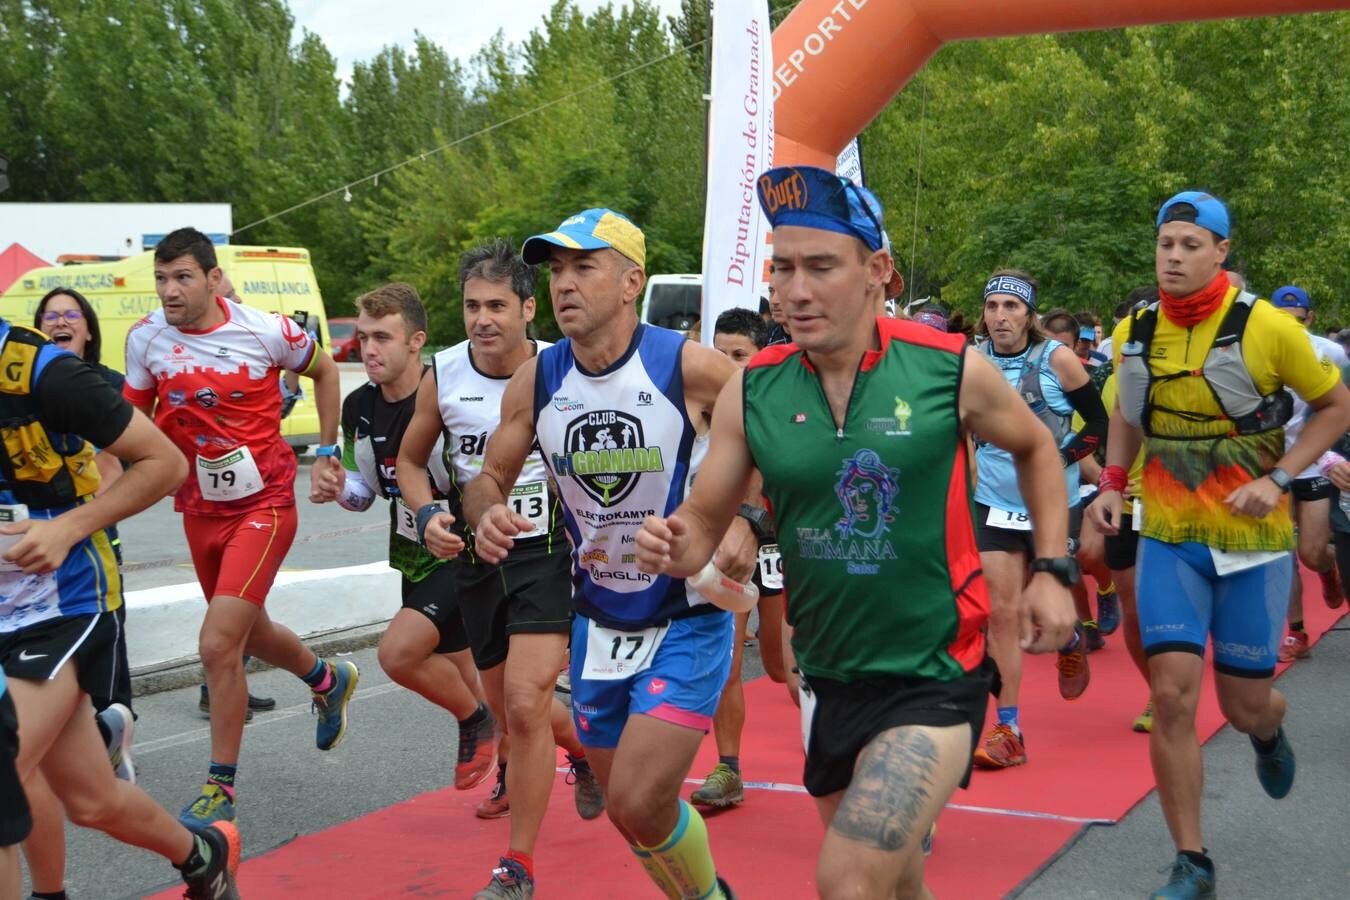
187, 671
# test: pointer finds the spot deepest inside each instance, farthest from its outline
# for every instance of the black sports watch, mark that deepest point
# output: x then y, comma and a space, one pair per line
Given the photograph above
1065, 568
758, 517
1283, 480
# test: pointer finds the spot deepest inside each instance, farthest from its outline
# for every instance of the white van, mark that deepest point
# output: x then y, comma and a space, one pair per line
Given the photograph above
672, 301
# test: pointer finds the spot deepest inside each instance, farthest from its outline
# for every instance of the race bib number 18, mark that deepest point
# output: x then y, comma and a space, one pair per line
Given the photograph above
1007, 519
233, 476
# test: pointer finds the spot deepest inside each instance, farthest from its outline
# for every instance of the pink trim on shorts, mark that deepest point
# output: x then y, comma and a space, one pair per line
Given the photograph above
676, 716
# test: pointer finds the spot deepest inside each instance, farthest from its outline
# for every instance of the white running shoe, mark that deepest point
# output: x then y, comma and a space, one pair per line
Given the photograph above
121, 728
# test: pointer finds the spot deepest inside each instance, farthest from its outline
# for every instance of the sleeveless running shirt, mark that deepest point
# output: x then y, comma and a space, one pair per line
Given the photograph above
372, 432
471, 405
874, 518
997, 485
621, 447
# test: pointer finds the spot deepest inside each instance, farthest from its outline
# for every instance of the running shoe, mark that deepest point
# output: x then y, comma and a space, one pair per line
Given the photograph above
1095, 641
1294, 646
586, 791
1002, 749
1189, 881
1108, 612
121, 726
1074, 674
217, 881
204, 705
1275, 769
332, 704
497, 803
509, 881
1333, 592
1143, 723
727, 892
722, 789
563, 683
214, 805
927, 844
477, 753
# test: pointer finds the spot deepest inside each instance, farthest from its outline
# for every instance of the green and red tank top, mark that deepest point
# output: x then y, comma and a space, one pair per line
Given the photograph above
874, 517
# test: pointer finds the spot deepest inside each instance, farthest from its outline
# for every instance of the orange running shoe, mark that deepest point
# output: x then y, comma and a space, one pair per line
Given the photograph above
1002, 749
1294, 646
477, 752
1332, 590
497, 803
1074, 674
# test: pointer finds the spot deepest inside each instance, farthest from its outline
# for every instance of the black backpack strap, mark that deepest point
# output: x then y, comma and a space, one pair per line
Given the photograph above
1234, 323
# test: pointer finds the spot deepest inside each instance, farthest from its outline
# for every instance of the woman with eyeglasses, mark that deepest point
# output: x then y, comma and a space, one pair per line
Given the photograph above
68, 319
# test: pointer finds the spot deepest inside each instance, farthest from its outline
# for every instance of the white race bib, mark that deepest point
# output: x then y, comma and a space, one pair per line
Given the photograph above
405, 518
1226, 562
233, 476
1138, 514
771, 567
9, 514
612, 655
531, 501
1007, 519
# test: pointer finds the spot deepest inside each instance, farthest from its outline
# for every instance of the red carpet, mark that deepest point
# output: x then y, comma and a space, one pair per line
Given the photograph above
1085, 763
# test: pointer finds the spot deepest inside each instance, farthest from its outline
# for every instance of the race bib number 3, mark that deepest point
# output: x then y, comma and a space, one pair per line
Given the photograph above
1008, 520
771, 567
405, 518
531, 501
233, 476
612, 655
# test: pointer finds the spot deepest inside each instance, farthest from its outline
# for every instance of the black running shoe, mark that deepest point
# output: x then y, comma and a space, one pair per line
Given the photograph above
217, 881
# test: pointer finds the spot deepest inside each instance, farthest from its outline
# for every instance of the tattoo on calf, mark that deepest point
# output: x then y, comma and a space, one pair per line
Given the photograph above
890, 787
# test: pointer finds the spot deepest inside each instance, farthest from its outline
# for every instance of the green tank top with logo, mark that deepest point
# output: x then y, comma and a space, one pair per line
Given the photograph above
874, 516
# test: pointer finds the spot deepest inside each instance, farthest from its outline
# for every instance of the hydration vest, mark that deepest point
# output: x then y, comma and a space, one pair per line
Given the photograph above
1029, 387
42, 470
1224, 371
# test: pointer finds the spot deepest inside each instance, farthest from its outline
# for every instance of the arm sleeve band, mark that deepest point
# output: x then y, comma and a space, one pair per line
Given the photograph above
356, 494
1088, 404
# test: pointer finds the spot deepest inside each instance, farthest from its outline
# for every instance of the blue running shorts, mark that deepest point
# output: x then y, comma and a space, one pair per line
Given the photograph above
1183, 600
673, 672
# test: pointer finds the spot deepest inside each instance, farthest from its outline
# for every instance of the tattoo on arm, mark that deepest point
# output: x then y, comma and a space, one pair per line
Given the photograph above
891, 786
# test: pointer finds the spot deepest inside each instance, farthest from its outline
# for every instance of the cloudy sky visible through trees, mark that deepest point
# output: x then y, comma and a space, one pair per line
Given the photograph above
355, 30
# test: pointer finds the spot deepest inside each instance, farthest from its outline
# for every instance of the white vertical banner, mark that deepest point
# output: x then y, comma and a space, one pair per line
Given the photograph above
740, 147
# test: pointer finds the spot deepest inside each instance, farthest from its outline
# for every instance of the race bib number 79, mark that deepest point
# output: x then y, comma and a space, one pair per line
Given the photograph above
233, 476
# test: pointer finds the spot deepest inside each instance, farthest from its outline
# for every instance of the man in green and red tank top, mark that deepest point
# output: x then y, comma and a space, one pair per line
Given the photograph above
859, 428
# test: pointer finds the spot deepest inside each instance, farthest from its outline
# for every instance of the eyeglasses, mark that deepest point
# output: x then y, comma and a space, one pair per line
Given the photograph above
70, 315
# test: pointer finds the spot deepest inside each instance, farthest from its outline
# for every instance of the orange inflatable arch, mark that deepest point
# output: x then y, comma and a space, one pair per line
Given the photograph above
837, 63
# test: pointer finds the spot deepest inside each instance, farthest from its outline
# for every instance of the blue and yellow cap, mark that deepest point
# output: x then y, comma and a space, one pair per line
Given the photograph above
590, 229
818, 198
1209, 212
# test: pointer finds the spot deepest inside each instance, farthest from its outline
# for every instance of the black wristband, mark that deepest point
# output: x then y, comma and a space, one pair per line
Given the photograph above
424, 515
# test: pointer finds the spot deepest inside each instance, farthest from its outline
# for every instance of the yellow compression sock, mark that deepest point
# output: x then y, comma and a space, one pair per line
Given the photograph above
686, 859
657, 873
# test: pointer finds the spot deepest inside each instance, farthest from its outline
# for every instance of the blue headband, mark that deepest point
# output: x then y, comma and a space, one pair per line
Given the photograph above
1011, 284
810, 197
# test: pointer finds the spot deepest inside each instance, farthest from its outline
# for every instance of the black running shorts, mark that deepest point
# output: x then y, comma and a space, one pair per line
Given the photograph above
15, 819
39, 651
1315, 488
121, 685
529, 594
436, 596
989, 538
849, 715
1122, 548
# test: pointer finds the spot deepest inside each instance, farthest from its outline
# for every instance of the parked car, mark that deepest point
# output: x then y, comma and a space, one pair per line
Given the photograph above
346, 348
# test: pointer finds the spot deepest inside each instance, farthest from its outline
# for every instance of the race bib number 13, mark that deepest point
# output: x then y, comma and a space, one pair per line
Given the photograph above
531, 501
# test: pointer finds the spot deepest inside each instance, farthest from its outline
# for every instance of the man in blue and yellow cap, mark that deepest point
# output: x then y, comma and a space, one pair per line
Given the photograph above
620, 412
859, 428
1200, 378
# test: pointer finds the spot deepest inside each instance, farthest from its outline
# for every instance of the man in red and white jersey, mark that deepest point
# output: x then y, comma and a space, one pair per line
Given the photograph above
207, 370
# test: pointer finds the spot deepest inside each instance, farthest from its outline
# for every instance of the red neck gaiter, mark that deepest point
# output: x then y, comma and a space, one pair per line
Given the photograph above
1194, 309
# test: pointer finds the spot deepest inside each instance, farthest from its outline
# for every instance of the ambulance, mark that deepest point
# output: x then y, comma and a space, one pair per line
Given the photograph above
122, 292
